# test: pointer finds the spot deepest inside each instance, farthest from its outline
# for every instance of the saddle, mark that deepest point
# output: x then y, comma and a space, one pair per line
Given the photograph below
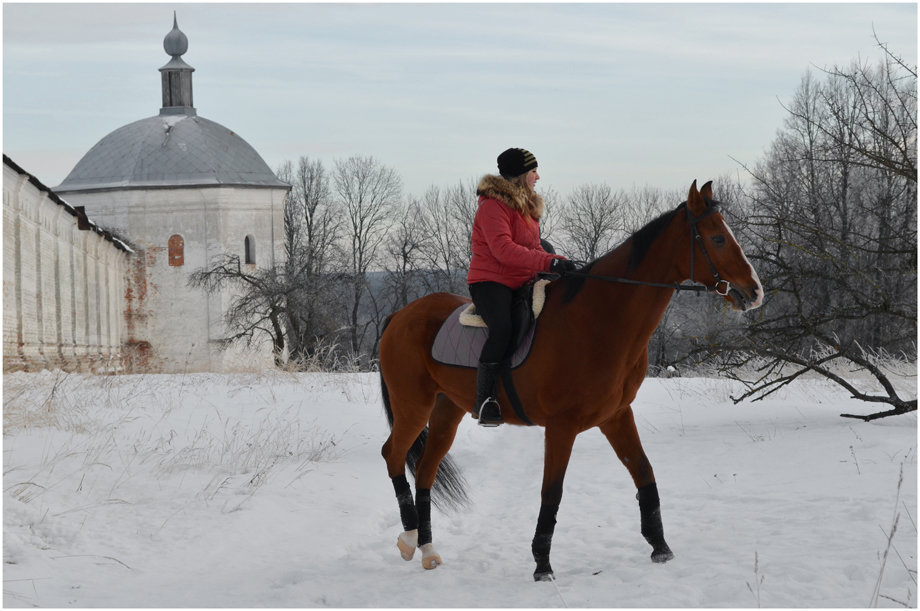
461, 336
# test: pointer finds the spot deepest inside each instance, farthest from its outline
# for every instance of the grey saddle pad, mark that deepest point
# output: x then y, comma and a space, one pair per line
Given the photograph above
459, 345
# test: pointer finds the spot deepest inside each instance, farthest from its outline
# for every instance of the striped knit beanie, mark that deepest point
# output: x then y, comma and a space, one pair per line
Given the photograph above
515, 162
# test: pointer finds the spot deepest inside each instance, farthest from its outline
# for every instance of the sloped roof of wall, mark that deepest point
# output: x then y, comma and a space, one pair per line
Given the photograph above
77, 212
170, 150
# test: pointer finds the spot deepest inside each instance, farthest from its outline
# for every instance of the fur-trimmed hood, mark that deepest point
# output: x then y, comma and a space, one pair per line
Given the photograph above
520, 198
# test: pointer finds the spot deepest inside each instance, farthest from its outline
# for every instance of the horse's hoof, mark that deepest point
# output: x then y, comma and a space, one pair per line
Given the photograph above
544, 570
431, 562
406, 544
430, 558
543, 576
660, 556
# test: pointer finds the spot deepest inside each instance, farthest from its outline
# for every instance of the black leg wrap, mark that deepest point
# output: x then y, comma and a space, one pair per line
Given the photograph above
652, 529
543, 541
406, 505
423, 505
648, 498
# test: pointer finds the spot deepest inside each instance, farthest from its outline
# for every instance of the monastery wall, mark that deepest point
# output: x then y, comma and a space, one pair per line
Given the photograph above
64, 283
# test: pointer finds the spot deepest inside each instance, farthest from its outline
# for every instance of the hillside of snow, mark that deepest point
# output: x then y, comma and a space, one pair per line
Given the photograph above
245, 490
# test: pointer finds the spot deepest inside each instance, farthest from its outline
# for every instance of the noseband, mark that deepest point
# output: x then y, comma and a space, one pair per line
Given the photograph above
720, 286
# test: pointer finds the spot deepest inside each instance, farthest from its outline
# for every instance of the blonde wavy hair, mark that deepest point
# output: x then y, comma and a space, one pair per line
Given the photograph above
532, 203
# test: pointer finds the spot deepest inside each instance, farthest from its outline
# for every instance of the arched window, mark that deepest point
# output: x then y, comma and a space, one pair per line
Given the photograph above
250, 246
176, 250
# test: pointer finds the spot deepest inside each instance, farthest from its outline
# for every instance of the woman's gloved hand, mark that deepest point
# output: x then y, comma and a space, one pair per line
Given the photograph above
561, 266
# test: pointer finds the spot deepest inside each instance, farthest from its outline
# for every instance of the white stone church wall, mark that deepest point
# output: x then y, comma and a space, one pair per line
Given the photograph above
63, 287
183, 325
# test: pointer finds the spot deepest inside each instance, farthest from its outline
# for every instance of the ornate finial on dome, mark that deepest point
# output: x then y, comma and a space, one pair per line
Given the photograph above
175, 43
176, 75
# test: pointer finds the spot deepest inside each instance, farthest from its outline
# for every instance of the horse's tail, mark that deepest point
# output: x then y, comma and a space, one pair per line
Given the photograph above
449, 490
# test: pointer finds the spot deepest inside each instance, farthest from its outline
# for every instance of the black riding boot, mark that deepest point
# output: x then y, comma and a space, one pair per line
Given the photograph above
486, 408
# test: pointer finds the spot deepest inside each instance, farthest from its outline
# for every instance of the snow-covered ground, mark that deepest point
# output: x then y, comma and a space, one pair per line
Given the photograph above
269, 490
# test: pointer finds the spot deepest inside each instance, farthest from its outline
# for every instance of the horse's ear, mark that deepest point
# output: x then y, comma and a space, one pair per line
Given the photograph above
706, 191
695, 202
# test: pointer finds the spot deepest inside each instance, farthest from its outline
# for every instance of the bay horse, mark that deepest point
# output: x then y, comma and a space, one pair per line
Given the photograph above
588, 359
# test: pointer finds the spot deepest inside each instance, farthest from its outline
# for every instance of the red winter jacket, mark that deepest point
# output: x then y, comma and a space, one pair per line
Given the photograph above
506, 244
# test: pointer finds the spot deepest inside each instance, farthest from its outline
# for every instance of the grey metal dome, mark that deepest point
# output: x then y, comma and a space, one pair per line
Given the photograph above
169, 150
177, 148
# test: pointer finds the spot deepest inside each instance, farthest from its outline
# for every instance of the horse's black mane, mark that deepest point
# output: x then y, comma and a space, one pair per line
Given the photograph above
640, 242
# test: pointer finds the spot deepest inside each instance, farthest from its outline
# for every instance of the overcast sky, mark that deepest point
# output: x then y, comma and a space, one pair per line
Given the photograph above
623, 94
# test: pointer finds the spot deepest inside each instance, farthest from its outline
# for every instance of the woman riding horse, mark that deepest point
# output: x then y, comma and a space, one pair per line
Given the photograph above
594, 333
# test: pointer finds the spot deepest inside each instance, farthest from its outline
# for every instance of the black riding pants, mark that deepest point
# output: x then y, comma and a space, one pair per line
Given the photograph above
493, 303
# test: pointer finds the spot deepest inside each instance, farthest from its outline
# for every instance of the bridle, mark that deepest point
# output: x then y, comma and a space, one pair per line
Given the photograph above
720, 286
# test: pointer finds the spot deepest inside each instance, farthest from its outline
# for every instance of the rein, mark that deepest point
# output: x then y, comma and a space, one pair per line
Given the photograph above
720, 287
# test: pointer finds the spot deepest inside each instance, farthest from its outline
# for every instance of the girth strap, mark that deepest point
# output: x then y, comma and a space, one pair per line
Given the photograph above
511, 391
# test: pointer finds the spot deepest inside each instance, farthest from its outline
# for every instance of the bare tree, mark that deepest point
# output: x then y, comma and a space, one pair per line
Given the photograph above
405, 261
646, 203
446, 247
257, 306
551, 219
832, 217
463, 203
311, 229
880, 116
593, 221
367, 191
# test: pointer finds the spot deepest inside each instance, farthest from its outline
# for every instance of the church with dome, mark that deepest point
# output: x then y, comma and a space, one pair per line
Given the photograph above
176, 191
